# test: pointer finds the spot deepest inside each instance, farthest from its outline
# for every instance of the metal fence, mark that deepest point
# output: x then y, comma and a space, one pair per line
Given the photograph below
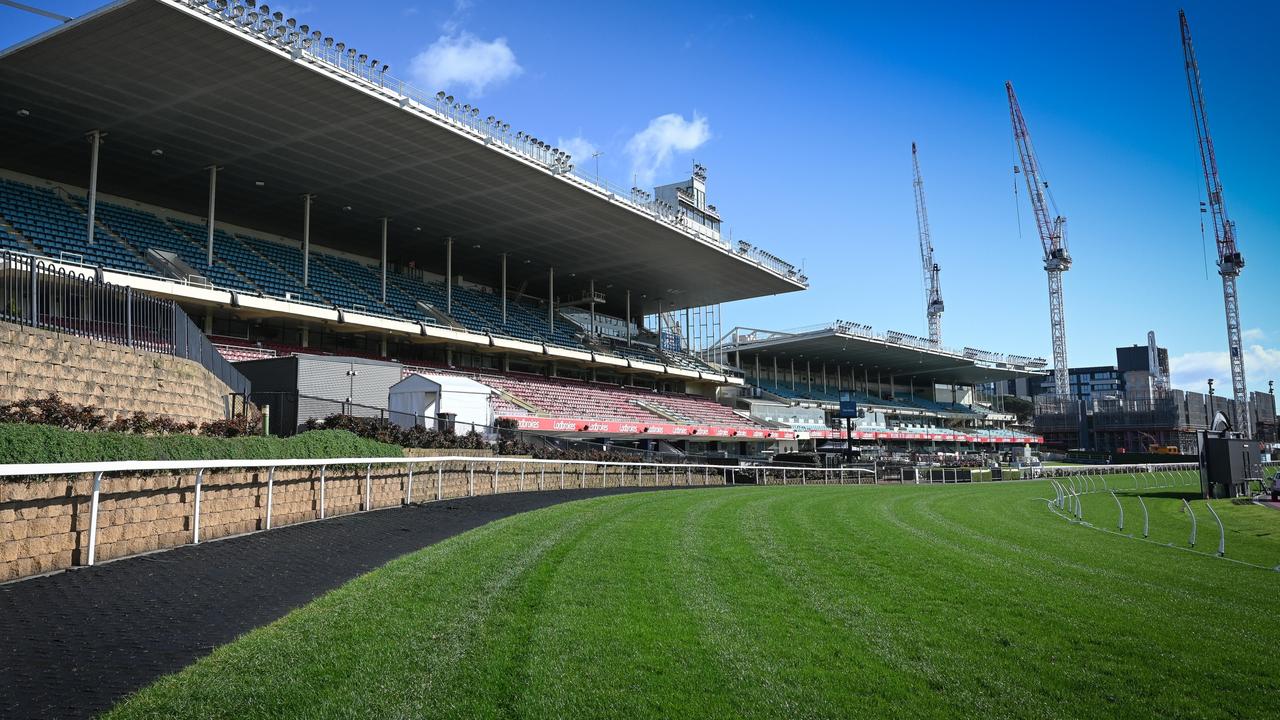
1072, 484
481, 478
48, 295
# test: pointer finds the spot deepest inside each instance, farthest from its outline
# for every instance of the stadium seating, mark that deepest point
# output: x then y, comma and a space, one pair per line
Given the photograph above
246, 263
57, 228
145, 231
578, 399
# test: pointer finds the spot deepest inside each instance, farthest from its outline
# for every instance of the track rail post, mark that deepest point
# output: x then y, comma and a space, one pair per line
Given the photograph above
93, 518
271, 489
1118, 507
1222, 532
1192, 514
1146, 518
195, 514
368, 487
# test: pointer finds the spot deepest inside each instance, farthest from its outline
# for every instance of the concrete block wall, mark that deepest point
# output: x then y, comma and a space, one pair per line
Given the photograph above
114, 378
44, 523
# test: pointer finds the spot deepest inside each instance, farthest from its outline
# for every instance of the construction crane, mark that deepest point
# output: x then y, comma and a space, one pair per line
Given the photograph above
1160, 381
1230, 262
932, 287
1053, 238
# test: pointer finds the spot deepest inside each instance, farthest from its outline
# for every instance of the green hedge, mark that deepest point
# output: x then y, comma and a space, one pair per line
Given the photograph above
23, 443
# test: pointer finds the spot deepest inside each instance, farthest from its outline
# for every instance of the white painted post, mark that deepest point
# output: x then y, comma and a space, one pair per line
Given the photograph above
368, 487
408, 490
495, 479
322, 472
1118, 507
471, 480
542, 477
195, 515
520, 487
1192, 513
1146, 524
93, 517
1222, 532
439, 482
271, 487
562, 477
582, 479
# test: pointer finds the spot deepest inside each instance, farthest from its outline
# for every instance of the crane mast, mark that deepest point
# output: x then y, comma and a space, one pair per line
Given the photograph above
932, 287
1230, 261
1052, 229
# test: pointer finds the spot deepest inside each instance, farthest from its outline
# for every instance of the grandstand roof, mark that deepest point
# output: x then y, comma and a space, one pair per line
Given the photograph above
168, 75
891, 354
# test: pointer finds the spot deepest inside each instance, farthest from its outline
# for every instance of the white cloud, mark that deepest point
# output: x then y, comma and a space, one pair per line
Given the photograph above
1190, 370
580, 149
464, 60
651, 149
1253, 335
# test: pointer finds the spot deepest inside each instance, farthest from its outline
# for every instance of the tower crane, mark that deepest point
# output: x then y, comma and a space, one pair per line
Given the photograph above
1053, 238
932, 287
1230, 261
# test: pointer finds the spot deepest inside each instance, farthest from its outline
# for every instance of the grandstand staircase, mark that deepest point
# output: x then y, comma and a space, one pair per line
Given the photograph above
97, 222
520, 403
27, 245
183, 234
663, 412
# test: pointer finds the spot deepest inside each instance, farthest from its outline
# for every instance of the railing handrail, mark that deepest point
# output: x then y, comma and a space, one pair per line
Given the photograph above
80, 468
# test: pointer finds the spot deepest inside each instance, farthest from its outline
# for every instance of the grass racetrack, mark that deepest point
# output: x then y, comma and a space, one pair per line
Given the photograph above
779, 602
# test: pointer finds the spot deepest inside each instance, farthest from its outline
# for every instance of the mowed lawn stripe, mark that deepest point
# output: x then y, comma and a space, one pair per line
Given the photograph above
770, 602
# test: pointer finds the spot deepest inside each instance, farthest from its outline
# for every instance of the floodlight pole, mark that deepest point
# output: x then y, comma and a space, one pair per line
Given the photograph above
384, 259
213, 200
95, 142
306, 239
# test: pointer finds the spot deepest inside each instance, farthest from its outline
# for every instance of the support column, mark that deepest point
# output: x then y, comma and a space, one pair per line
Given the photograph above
757, 367
306, 239
592, 289
306, 336
95, 142
448, 275
628, 316
551, 299
776, 381
382, 347
384, 264
793, 374
504, 288
808, 375
824, 377
213, 204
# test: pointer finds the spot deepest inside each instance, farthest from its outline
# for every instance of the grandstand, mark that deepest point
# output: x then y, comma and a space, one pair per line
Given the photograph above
322, 206
909, 393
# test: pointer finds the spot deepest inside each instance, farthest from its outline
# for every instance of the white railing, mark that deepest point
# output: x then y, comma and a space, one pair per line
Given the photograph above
619, 473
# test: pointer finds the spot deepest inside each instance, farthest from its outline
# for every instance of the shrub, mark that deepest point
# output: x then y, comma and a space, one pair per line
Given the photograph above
28, 443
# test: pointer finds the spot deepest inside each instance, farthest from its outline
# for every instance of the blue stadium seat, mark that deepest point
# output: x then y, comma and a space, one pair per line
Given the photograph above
57, 229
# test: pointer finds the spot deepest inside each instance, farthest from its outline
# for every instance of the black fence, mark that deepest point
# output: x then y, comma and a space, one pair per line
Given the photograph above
42, 294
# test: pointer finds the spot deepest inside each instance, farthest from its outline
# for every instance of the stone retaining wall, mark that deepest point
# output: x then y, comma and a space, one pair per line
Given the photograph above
116, 379
44, 524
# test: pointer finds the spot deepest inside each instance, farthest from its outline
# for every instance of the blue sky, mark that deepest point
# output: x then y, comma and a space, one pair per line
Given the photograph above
805, 113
